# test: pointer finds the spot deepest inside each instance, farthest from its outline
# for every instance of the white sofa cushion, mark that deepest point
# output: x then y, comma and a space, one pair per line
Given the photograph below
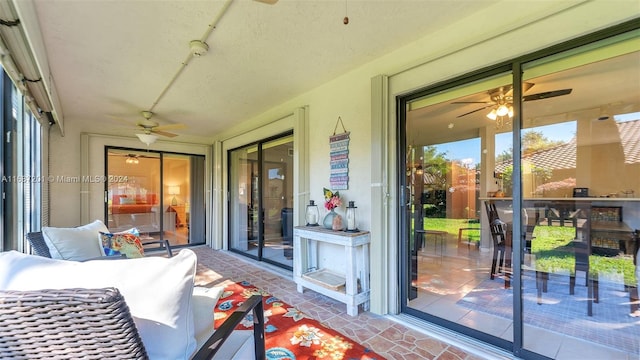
204, 303
157, 290
79, 243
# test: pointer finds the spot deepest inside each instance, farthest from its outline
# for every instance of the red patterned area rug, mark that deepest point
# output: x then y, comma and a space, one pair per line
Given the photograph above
289, 333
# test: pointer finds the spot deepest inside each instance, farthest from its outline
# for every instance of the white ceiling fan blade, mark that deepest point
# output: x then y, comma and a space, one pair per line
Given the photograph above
147, 126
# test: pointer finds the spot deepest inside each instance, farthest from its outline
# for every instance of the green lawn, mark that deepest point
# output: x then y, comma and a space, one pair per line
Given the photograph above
552, 248
554, 253
453, 225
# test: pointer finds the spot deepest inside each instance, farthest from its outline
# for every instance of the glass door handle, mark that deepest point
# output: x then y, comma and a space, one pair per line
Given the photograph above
405, 193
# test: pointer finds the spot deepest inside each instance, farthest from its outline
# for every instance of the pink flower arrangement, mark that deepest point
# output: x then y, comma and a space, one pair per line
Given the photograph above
331, 199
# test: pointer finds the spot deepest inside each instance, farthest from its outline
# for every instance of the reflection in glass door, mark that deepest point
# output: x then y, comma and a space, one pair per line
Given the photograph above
261, 201
177, 187
581, 205
133, 192
453, 145
540, 254
244, 201
277, 194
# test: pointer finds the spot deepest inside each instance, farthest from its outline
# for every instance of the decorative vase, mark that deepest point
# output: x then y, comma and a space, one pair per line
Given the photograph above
337, 223
328, 219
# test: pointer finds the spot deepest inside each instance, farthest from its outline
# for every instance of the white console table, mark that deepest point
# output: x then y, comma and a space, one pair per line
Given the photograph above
307, 272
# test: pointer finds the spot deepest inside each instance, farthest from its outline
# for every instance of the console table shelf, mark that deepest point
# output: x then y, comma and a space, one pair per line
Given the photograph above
352, 288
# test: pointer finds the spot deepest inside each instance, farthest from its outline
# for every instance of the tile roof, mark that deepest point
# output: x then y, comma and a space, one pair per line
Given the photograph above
630, 135
563, 156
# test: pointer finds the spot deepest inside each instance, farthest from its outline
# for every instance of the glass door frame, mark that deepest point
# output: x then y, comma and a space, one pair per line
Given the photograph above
261, 201
161, 193
257, 230
406, 253
515, 67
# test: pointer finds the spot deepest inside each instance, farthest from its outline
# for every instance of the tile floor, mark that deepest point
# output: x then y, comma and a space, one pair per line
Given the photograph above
383, 334
563, 330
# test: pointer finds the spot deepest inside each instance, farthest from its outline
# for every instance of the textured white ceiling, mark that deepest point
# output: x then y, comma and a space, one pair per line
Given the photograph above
110, 59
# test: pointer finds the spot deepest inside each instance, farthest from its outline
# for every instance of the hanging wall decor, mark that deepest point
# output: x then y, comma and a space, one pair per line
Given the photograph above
339, 152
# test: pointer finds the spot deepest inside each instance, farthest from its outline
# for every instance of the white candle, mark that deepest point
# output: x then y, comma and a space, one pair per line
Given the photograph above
351, 221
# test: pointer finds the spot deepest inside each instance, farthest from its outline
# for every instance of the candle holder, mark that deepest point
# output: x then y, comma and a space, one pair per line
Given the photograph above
352, 225
312, 214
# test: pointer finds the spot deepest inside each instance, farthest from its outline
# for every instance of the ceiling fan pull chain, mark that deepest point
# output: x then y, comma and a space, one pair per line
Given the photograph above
346, 14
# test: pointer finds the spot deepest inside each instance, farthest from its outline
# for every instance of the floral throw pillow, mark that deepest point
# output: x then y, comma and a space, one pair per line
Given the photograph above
125, 243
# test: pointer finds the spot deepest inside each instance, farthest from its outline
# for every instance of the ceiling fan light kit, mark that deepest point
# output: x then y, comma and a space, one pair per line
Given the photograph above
132, 159
502, 110
501, 102
492, 115
147, 138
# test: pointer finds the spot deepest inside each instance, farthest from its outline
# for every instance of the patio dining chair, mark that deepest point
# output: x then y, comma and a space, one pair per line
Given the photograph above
501, 244
581, 263
96, 324
492, 211
501, 261
39, 246
562, 214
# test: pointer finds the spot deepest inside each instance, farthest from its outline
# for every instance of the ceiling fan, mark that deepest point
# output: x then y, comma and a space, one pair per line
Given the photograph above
150, 129
501, 100
132, 158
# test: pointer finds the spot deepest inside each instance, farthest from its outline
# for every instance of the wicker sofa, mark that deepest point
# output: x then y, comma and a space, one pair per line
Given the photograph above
127, 308
92, 324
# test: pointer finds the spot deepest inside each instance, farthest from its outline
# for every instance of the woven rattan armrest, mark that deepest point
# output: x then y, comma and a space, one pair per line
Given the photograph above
38, 245
67, 324
252, 305
61, 324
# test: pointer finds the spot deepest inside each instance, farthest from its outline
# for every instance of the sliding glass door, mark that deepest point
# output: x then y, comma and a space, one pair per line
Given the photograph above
134, 196
160, 194
581, 203
244, 201
261, 201
20, 159
454, 145
277, 194
520, 203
